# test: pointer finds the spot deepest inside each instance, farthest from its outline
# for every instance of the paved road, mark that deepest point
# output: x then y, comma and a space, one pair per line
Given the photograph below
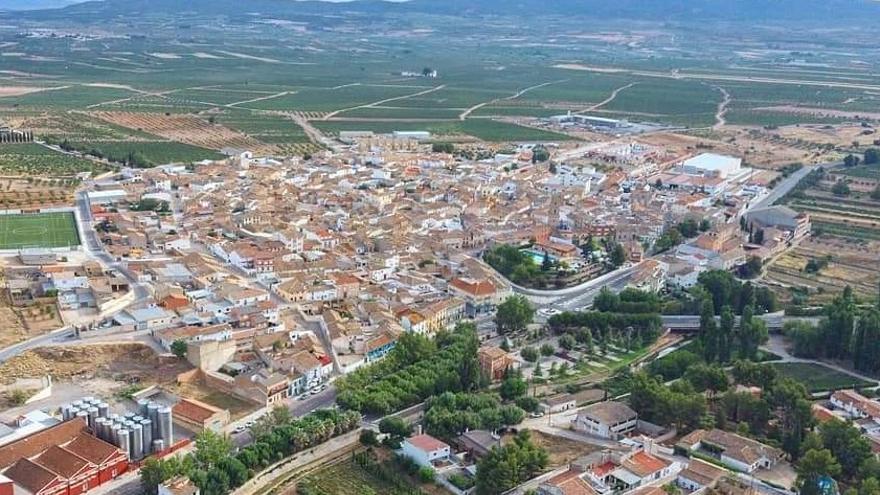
787, 184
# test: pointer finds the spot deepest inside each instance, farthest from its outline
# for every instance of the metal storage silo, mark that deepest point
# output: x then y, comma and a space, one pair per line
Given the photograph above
65, 412
103, 409
142, 406
123, 442
93, 415
147, 426
153, 415
166, 425
158, 445
137, 442
83, 414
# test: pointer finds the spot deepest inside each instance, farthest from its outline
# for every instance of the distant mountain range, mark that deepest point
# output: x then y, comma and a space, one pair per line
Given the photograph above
828, 11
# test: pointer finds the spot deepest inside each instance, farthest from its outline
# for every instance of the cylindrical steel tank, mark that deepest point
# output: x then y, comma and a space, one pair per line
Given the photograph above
103, 409
137, 441
123, 441
147, 434
93, 415
142, 406
166, 425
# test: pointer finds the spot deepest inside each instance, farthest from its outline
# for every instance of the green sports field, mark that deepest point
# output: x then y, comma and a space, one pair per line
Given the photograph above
45, 230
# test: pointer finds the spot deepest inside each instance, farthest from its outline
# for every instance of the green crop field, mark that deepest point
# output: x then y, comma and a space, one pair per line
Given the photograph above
153, 152
484, 129
44, 230
33, 159
817, 377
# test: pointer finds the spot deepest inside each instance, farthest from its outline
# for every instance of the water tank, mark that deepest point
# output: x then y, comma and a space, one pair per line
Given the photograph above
138, 418
147, 426
142, 406
83, 414
123, 441
165, 425
129, 415
103, 409
65, 412
77, 404
87, 400
137, 442
158, 445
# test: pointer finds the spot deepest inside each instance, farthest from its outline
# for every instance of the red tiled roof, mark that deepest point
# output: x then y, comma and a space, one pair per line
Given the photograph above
61, 461
426, 443
473, 287
92, 449
194, 410
35, 444
30, 475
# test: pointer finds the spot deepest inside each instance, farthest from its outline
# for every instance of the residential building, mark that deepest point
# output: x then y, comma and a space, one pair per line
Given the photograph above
610, 419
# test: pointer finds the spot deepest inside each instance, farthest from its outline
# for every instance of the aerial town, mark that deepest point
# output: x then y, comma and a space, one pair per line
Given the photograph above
367, 293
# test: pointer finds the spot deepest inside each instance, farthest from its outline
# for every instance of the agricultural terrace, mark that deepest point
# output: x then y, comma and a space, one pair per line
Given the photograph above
44, 230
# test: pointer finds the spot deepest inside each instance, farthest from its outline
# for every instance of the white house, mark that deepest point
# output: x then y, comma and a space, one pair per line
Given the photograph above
606, 419
425, 450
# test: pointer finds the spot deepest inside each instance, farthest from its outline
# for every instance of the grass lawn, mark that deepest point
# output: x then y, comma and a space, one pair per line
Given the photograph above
45, 230
817, 377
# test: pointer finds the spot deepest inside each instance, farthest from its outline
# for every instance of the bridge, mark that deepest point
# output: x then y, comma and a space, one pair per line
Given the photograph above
691, 323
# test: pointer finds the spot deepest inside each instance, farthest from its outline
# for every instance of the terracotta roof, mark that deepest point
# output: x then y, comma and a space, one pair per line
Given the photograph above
193, 410
30, 475
702, 472
570, 483
426, 443
643, 464
32, 445
92, 449
61, 461
474, 287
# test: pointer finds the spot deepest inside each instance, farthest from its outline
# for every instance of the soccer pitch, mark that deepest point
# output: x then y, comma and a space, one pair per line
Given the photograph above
39, 230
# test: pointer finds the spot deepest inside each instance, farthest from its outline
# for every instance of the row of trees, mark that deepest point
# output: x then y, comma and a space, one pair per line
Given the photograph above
415, 372
846, 332
722, 340
216, 471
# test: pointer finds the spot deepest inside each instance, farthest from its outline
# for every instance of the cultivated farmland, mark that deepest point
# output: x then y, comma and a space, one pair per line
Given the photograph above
185, 129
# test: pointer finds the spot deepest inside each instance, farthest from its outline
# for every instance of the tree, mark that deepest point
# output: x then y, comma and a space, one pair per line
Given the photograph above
866, 342
872, 156
540, 154
514, 314
426, 474
726, 334
178, 347
547, 350
396, 428
616, 255
529, 354
567, 342
368, 438
840, 188
606, 300
812, 466
709, 332
707, 377
508, 466
850, 161
211, 448
546, 263
847, 445
513, 385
